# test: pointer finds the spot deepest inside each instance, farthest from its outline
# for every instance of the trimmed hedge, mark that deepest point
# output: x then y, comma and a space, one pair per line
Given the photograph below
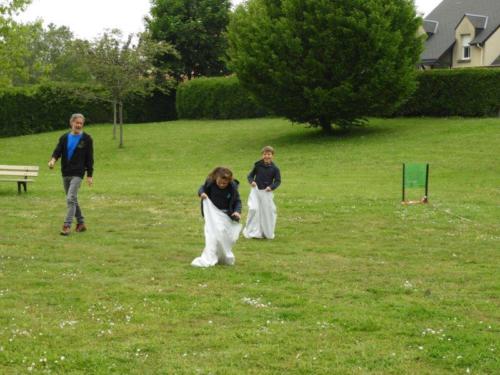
455, 92
35, 109
154, 108
215, 98
441, 92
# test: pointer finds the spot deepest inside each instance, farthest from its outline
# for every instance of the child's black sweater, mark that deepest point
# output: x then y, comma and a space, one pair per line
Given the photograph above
265, 175
227, 199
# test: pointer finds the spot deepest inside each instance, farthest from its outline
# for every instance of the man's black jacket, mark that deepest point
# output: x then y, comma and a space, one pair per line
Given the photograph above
82, 160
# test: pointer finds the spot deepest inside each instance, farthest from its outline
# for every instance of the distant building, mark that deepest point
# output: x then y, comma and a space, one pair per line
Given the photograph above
462, 33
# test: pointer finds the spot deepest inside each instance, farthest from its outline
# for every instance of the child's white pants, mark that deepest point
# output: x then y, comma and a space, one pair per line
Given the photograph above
221, 234
261, 220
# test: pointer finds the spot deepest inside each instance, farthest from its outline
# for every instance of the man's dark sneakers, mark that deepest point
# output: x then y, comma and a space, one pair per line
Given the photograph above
80, 227
66, 230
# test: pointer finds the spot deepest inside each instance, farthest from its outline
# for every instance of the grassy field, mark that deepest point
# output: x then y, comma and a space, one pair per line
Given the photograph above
354, 282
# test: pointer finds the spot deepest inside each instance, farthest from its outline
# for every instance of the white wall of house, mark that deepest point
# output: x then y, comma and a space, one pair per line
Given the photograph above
492, 48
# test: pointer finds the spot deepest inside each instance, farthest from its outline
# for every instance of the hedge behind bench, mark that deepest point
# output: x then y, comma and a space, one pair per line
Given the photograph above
47, 107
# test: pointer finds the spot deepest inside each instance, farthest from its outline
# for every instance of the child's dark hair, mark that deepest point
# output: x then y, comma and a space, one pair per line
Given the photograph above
221, 172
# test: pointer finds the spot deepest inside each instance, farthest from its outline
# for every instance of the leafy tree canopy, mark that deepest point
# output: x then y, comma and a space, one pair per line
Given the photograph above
122, 67
196, 28
326, 62
7, 9
30, 54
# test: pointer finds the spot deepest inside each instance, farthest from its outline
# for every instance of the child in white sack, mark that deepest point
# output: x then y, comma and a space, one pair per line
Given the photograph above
221, 208
265, 177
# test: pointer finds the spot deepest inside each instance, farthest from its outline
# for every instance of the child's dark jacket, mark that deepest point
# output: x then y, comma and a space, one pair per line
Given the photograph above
234, 199
265, 175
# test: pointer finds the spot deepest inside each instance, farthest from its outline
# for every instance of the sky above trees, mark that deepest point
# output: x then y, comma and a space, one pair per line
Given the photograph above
87, 19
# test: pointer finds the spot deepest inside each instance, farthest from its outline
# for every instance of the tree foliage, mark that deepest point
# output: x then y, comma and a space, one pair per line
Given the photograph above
10, 7
121, 67
196, 28
7, 9
326, 62
32, 54
57, 48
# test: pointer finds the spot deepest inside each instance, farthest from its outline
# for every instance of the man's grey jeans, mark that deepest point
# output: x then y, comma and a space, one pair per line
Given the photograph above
71, 186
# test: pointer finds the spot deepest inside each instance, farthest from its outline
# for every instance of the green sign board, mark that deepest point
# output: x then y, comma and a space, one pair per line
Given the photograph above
415, 175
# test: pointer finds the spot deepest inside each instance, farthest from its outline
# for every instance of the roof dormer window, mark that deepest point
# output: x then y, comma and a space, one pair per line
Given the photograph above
466, 39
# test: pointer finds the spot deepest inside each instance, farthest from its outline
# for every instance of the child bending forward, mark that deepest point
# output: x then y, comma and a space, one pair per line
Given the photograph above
265, 177
221, 208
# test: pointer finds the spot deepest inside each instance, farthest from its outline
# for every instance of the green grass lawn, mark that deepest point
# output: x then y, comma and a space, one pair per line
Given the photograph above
354, 282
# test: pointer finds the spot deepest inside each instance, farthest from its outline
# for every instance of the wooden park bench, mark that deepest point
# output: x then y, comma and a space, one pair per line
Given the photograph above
18, 173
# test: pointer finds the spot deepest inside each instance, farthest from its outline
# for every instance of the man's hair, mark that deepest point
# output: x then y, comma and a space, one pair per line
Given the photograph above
75, 116
221, 172
268, 149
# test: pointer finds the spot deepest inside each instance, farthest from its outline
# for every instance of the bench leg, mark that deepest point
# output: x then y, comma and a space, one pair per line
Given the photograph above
19, 183
25, 186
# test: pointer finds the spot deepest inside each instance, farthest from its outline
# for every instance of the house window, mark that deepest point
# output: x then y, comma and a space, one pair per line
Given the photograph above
466, 39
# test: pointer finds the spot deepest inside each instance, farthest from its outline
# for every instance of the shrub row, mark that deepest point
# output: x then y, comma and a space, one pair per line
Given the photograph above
215, 98
47, 107
441, 92
455, 92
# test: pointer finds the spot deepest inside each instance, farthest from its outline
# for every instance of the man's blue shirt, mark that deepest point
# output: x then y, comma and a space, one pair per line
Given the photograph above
73, 140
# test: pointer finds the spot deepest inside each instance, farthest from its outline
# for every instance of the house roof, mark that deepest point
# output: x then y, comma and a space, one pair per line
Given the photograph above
430, 27
496, 62
483, 14
478, 21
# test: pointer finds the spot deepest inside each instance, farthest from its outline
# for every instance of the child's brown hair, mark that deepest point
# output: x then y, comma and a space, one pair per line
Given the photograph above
267, 149
221, 172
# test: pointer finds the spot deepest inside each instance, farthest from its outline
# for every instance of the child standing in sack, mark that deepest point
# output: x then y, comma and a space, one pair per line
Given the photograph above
265, 177
221, 209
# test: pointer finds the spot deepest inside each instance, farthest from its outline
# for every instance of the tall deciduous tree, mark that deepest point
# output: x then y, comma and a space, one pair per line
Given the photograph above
10, 7
7, 9
57, 48
121, 67
30, 54
326, 62
196, 28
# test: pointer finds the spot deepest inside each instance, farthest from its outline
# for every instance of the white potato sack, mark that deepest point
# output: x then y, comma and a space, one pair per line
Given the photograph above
221, 233
261, 220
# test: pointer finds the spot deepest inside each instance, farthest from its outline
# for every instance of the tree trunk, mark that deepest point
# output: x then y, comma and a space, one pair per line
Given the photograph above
114, 119
326, 126
120, 107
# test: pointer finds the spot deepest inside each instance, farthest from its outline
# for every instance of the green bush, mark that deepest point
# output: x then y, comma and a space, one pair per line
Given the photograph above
47, 107
451, 92
455, 92
326, 63
157, 107
215, 98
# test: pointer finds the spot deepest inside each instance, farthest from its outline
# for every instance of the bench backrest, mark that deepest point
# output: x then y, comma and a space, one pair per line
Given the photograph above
19, 170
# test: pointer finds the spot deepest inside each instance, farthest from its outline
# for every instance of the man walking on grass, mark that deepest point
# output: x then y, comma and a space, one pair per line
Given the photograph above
76, 151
